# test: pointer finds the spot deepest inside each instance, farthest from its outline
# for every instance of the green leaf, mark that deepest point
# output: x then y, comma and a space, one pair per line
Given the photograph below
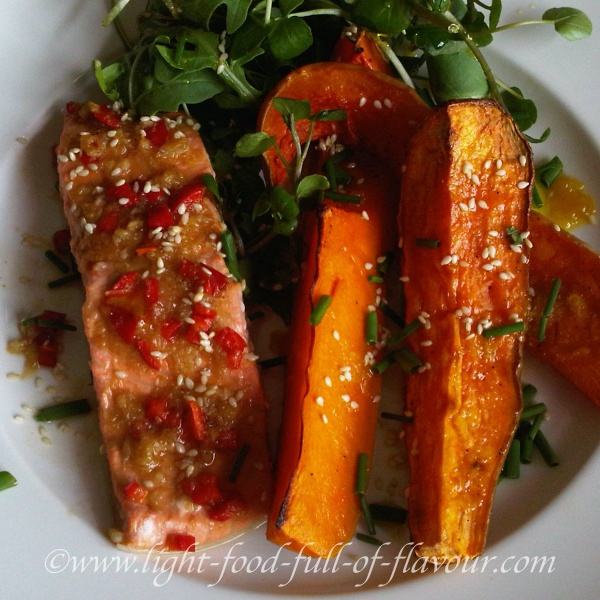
283, 204
290, 107
540, 139
428, 37
311, 184
495, 12
247, 42
454, 73
571, 23
202, 11
522, 110
290, 37
458, 8
474, 23
187, 88
194, 50
253, 144
285, 227
329, 115
107, 78
211, 183
389, 17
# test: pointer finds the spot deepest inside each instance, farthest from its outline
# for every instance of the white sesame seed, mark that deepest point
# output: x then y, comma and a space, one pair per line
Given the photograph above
454, 259
496, 263
524, 259
501, 172
354, 404
504, 276
475, 179
365, 215
531, 292
523, 184
328, 381
115, 172
446, 260
493, 233
464, 207
487, 267
485, 253
499, 163
528, 243
492, 251
387, 102
522, 160
368, 266
324, 419
472, 205
404, 278
336, 335
500, 206
516, 248
377, 104
426, 343
345, 397
487, 164
362, 101
319, 400
483, 204
68, 187
556, 227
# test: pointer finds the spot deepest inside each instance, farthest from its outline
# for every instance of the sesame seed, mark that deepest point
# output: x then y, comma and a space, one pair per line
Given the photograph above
328, 381
454, 259
483, 204
362, 101
324, 419
446, 260
319, 400
336, 335
499, 163
115, 172
493, 233
531, 292
426, 343
404, 279
504, 276
522, 160
475, 179
467, 167
487, 267
487, 164
472, 205
500, 206
365, 215
368, 266
523, 184
556, 227
120, 374
354, 404
377, 104
345, 397
492, 251
501, 172
69, 186
114, 143
516, 248
387, 102
464, 207
524, 259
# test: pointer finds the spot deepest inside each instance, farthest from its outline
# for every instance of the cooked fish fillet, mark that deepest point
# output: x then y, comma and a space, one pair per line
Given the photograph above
181, 408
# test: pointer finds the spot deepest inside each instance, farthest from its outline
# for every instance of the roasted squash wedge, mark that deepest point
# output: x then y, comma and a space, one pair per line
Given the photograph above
331, 394
467, 181
572, 338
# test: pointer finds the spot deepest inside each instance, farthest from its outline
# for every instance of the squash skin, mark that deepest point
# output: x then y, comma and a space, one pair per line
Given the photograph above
572, 339
315, 510
466, 405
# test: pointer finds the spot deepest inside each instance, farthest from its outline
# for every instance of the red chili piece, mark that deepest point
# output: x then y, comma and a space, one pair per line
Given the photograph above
160, 413
108, 222
122, 193
230, 507
188, 195
146, 351
195, 420
46, 338
202, 489
157, 133
169, 329
124, 322
106, 116
124, 286
200, 274
160, 216
233, 344
86, 159
135, 492
152, 292
180, 542
203, 319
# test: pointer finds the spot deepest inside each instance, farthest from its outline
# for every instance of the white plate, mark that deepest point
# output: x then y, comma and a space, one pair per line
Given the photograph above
57, 516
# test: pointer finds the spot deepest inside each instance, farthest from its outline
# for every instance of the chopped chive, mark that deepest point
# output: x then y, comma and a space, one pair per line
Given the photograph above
406, 331
535, 426
397, 417
389, 514
7, 480
211, 183
549, 171
329, 169
55, 325
368, 539
392, 315
408, 360
552, 296
533, 410
526, 449
384, 266
371, 327
269, 363
512, 465
320, 309
375, 279
64, 280
427, 243
545, 449
228, 246
536, 197
362, 466
366, 511
514, 235
380, 366
505, 329
62, 266
348, 198
63, 411
529, 391
239, 463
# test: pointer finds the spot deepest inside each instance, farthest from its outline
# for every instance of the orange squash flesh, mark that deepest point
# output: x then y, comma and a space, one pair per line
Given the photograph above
467, 399
330, 416
572, 340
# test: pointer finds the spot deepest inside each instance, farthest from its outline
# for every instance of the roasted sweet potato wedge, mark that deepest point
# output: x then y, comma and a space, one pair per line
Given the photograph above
467, 182
331, 394
572, 338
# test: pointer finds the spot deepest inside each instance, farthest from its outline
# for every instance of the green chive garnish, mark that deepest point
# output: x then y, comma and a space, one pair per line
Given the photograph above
408, 360
348, 198
389, 514
512, 466
384, 265
7, 480
63, 411
545, 449
239, 463
548, 172
392, 315
529, 391
362, 466
55, 325
269, 363
536, 198
320, 309
369, 539
535, 426
62, 266
552, 296
366, 511
405, 332
329, 168
505, 329
64, 280
371, 327
380, 366
533, 410
375, 279
228, 246
427, 243
526, 449
514, 235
